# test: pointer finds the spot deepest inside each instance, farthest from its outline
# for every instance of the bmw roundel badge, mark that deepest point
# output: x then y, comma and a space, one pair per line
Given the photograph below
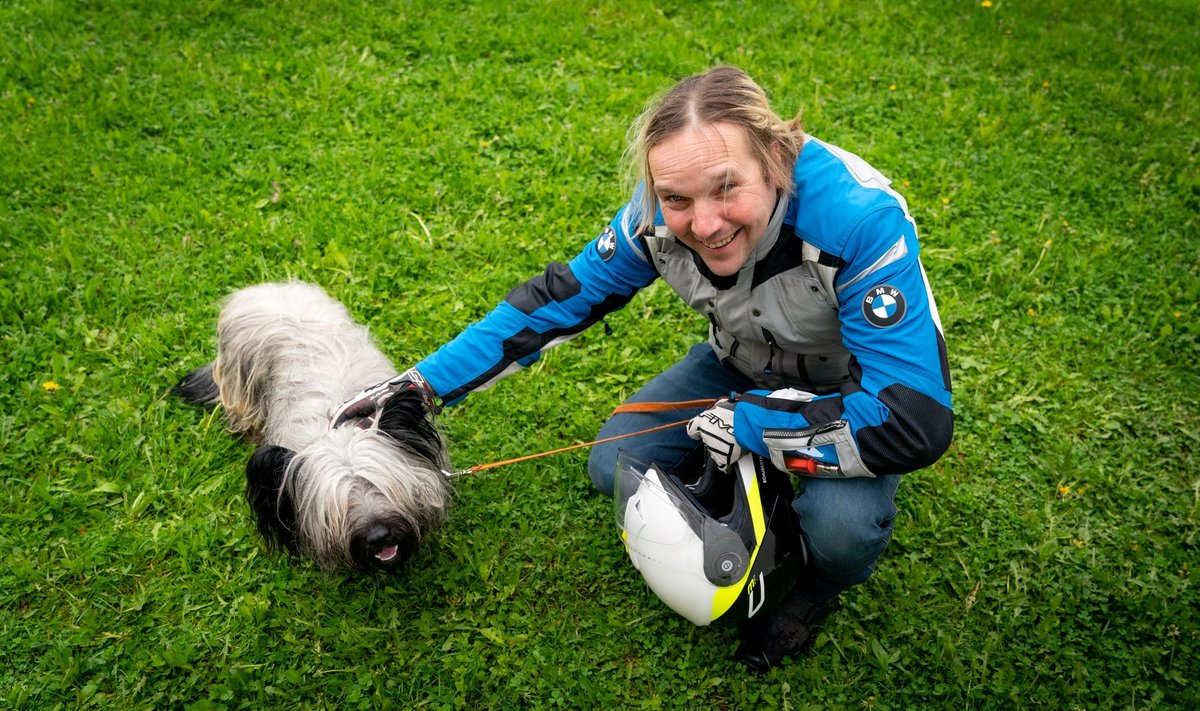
884, 306
606, 244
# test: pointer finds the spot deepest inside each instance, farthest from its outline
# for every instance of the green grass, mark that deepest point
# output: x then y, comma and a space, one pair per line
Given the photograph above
418, 161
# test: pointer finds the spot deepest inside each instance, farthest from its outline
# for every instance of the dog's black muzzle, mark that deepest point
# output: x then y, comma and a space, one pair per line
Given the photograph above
383, 544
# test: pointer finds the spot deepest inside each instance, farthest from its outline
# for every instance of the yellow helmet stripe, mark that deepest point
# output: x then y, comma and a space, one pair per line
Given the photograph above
724, 597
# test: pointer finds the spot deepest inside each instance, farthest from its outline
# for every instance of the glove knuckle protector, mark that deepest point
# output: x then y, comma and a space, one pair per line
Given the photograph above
714, 428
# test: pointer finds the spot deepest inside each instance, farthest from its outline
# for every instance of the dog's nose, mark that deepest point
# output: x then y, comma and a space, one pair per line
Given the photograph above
378, 534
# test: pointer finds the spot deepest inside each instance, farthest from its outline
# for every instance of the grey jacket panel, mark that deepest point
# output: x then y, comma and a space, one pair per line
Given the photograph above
779, 331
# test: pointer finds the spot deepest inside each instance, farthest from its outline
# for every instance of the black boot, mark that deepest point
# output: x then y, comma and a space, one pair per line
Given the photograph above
782, 632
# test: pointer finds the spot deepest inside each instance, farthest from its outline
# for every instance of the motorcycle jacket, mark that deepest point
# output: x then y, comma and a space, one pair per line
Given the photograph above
831, 318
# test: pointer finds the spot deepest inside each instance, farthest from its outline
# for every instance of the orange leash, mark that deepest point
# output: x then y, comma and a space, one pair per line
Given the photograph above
662, 406
626, 408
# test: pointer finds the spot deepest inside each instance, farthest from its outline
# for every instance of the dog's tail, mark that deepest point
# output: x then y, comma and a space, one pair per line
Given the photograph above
199, 388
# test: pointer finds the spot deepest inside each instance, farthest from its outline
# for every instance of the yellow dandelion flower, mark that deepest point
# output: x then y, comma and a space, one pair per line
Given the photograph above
1063, 489
50, 386
907, 184
945, 201
1178, 314
1046, 84
1031, 312
986, 3
892, 87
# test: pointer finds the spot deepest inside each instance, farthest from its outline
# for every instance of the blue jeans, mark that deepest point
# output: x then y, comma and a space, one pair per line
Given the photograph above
846, 523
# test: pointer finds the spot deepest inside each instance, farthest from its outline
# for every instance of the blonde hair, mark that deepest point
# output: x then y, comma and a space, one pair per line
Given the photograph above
725, 94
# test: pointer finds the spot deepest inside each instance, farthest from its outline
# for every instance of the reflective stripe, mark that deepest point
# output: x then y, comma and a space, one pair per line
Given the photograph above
895, 253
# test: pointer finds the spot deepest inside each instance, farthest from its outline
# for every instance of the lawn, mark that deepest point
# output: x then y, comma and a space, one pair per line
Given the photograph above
418, 160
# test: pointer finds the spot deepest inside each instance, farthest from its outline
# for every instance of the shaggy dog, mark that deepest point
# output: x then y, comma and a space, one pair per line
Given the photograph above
354, 497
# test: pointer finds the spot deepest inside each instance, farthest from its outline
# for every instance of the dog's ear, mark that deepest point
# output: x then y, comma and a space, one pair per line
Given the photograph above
406, 418
272, 506
199, 388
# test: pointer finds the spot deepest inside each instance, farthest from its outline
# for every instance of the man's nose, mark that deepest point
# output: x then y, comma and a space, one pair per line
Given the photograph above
707, 218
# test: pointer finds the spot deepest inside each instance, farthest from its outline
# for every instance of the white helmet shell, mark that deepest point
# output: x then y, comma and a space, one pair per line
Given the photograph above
705, 562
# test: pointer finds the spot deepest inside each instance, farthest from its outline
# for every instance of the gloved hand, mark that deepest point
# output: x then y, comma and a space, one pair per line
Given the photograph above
714, 427
369, 401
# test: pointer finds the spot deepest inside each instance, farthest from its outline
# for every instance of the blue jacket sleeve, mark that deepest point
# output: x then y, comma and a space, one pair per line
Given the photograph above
553, 307
894, 414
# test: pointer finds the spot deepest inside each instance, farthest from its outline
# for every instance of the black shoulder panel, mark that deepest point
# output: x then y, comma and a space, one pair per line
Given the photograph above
555, 284
527, 342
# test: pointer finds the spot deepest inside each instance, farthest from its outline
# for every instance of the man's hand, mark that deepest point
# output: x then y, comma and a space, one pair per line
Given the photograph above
714, 427
369, 401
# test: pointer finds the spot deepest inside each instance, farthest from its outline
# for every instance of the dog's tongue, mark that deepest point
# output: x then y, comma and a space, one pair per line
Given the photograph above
386, 554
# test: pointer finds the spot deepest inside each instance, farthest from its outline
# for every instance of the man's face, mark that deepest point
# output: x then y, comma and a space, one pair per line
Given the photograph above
713, 193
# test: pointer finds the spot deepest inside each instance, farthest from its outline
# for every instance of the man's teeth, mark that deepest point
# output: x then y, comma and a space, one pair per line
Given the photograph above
720, 244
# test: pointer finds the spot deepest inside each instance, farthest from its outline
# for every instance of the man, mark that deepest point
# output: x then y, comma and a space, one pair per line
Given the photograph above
822, 327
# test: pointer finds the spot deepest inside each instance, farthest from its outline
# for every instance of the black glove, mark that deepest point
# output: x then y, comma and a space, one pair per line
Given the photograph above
369, 401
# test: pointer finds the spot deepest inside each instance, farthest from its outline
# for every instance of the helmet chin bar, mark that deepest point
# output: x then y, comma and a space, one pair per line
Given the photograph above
713, 549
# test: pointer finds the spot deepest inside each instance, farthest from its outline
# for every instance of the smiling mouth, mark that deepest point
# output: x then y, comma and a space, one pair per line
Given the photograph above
717, 245
388, 553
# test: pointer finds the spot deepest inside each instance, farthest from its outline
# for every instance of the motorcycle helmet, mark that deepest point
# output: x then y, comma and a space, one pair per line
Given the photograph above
721, 547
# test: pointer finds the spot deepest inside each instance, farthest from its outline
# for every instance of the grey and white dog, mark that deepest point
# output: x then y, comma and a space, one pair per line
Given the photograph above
353, 497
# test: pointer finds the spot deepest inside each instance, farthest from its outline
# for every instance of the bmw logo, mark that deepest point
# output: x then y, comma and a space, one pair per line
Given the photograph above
606, 244
884, 306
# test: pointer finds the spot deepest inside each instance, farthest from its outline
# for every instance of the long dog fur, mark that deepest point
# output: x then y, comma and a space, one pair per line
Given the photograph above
347, 498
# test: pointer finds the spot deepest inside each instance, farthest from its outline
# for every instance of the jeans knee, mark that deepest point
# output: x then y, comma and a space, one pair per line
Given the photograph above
847, 524
847, 550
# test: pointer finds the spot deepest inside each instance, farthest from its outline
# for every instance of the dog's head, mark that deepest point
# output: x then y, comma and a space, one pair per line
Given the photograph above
356, 499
